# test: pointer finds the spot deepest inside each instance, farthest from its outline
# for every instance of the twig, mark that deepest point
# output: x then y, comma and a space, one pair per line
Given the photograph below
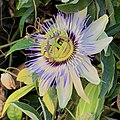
112, 109
71, 113
65, 113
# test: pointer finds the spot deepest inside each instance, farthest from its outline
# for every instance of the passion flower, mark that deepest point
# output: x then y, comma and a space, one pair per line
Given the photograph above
63, 53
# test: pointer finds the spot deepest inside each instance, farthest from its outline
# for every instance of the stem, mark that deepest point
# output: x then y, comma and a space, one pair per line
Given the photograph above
112, 109
5, 18
35, 9
6, 71
4, 38
13, 68
44, 113
6, 45
70, 113
66, 112
13, 37
10, 60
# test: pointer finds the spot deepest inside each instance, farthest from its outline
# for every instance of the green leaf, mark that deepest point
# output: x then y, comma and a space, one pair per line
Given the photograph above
116, 3
100, 107
92, 11
114, 83
21, 3
25, 76
92, 91
27, 109
50, 99
17, 95
110, 10
108, 66
14, 113
70, 7
22, 44
101, 4
113, 30
24, 17
115, 92
117, 14
18, 13
118, 65
43, 108
87, 116
115, 49
46, 113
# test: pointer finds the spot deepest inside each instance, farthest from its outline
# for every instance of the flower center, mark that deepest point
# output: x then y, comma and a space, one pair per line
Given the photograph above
58, 48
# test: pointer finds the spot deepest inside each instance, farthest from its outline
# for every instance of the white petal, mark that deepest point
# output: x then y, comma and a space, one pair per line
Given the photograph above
89, 71
96, 29
104, 35
64, 92
43, 89
60, 23
78, 17
81, 14
45, 84
78, 85
98, 45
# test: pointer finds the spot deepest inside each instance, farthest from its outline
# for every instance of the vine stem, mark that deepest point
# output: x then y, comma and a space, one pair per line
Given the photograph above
11, 43
6, 71
35, 8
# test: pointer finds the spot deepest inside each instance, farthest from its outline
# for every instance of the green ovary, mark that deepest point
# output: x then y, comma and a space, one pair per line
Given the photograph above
59, 48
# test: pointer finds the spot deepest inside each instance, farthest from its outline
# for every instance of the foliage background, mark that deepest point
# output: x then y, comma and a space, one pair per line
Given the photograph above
16, 15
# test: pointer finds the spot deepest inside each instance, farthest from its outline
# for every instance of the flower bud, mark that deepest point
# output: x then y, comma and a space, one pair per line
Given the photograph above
7, 81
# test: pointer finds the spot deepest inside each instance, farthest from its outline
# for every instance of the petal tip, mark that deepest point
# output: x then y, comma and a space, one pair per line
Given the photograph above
97, 82
105, 17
